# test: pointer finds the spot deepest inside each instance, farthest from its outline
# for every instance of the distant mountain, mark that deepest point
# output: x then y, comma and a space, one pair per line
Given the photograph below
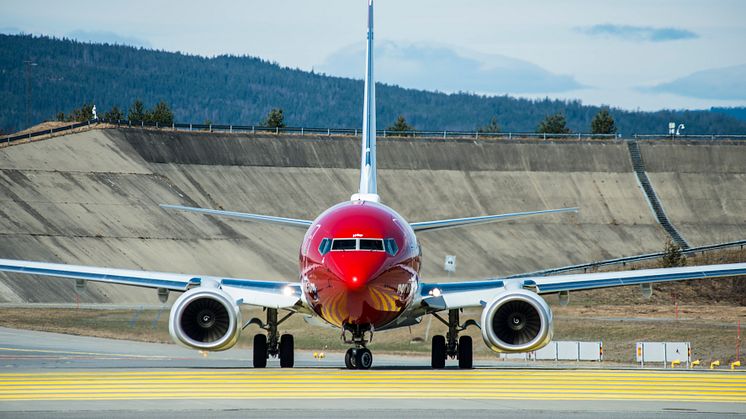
241, 90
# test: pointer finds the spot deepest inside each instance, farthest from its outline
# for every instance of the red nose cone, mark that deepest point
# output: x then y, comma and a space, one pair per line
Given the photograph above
356, 268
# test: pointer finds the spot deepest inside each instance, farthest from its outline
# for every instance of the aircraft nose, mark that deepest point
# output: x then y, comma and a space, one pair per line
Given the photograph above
357, 270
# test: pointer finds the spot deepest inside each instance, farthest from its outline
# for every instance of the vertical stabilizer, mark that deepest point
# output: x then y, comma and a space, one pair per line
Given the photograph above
368, 189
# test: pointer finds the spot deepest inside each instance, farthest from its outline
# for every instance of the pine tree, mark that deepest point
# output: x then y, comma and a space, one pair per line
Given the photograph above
603, 123
114, 114
137, 111
400, 125
492, 127
82, 114
161, 114
672, 256
553, 124
275, 119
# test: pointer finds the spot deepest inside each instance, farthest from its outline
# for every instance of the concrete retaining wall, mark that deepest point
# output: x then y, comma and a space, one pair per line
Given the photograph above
92, 198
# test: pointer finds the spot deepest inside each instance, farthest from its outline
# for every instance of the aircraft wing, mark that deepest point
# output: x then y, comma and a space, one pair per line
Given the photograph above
245, 291
289, 222
452, 295
460, 222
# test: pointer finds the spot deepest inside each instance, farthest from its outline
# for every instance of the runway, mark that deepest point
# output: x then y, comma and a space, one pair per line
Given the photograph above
52, 375
342, 384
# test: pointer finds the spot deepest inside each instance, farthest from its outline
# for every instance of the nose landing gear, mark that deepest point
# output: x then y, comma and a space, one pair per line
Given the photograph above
359, 357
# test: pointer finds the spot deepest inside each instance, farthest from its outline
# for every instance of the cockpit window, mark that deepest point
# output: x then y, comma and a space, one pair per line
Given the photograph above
344, 244
391, 247
371, 244
325, 246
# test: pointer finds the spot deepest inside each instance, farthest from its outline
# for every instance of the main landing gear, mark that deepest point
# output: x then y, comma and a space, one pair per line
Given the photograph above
359, 357
451, 345
272, 344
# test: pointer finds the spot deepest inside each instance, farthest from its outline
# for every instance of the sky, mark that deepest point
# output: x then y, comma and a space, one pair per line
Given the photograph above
630, 54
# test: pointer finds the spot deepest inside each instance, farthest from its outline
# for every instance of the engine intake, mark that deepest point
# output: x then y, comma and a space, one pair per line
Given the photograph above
517, 321
205, 319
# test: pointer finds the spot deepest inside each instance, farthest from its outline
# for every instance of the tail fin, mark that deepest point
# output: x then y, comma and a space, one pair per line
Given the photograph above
368, 189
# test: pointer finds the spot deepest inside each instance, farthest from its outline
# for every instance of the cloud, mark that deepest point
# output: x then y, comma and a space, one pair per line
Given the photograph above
105, 37
638, 33
727, 83
442, 68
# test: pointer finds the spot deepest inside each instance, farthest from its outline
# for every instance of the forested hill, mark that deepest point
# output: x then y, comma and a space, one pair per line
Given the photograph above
241, 90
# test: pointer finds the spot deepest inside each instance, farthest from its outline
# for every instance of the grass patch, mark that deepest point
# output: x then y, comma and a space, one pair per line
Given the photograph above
712, 330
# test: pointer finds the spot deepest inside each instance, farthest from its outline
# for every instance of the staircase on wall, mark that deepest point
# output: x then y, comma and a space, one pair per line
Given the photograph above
639, 165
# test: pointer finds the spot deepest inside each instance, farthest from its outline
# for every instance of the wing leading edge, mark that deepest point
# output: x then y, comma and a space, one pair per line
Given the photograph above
245, 291
289, 222
453, 295
460, 222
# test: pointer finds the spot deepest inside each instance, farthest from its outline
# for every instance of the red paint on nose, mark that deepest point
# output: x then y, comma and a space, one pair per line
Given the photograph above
356, 268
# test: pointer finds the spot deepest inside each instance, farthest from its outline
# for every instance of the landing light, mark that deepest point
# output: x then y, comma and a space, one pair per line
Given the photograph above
435, 292
287, 291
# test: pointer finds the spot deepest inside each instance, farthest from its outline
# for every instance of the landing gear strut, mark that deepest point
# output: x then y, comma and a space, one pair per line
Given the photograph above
451, 345
358, 357
272, 344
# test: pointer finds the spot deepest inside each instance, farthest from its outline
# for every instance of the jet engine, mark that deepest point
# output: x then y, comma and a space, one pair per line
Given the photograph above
517, 321
206, 319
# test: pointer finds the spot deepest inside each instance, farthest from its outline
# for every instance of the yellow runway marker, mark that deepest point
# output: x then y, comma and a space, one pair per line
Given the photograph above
320, 384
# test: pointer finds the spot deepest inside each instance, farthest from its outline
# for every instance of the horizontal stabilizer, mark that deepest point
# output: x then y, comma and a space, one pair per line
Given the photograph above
460, 222
289, 222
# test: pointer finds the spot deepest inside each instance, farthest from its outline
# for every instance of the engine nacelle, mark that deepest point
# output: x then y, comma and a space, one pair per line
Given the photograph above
206, 319
517, 321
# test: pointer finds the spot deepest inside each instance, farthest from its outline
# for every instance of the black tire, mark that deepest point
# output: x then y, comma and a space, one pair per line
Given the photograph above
465, 359
287, 351
260, 351
350, 361
438, 354
363, 359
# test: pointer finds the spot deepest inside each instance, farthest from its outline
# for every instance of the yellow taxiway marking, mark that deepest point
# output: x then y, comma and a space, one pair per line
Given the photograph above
335, 384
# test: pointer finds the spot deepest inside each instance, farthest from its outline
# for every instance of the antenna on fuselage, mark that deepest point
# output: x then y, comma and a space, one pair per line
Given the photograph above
368, 190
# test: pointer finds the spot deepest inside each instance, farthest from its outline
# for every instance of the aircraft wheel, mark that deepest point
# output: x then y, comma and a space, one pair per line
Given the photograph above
350, 361
438, 355
363, 359
260, 351
287, 356
465, 352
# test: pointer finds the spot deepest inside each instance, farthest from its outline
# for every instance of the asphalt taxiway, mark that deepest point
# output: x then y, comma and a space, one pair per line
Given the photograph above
54, 375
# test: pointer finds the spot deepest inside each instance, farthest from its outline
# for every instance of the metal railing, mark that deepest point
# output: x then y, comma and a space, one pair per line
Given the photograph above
444, 134
624, 260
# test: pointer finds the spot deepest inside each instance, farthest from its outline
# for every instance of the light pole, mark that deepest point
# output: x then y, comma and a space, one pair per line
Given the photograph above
27, 67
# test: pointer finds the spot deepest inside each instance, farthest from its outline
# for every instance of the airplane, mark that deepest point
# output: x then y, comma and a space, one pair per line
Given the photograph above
360, 271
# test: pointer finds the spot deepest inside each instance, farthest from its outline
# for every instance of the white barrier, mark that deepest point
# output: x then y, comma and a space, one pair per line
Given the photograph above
520, 356
664, 352
563, 351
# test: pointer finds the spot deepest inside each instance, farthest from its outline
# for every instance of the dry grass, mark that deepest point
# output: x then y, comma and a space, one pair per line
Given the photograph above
711, 329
